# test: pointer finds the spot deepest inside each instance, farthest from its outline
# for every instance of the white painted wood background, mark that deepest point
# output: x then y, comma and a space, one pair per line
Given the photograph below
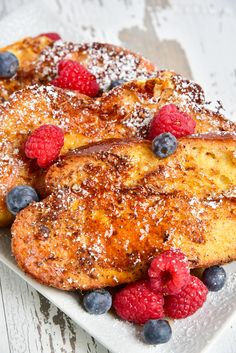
194, 37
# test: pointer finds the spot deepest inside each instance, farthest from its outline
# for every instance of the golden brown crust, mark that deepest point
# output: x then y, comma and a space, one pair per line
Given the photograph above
114, 207
27, 51
107, 62
39, 57
124, 112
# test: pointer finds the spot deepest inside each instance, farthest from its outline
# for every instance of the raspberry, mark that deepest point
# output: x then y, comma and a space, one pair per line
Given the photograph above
45, 144
62, 64
137, 303
74, 76
170, 119
169, 272
51, 35
188, 301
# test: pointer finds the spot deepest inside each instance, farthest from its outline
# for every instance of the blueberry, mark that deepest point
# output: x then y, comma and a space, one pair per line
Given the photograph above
115, 83
164, 145
97, 302
8, 64
19, 197
156, 332
214, 278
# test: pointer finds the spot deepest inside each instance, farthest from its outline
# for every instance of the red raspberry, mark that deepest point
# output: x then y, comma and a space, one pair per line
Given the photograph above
45, 144
51, 35
137, 303
170, 119
188, 301
169, 272
62, 64
74, 76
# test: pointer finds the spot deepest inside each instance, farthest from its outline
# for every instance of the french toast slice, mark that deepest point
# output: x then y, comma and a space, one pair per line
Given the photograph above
39, 57
123, 112
27, 51
114, 205
107, 62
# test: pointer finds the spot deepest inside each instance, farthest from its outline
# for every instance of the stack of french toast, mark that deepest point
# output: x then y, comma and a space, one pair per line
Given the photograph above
109, 204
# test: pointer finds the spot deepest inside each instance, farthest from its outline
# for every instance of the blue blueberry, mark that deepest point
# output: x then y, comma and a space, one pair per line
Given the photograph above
156, 332
19, 197
97, 302
214, 278
164, 145
115, 83
9, 64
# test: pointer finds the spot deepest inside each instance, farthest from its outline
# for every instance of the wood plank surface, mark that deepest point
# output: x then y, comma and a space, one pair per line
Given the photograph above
28, 322
31, 324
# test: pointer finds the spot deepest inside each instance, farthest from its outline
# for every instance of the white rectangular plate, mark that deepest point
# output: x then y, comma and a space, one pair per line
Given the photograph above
189, 335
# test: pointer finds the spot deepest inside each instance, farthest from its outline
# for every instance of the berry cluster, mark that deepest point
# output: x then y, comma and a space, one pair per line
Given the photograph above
168, 124
169, 291
177, 293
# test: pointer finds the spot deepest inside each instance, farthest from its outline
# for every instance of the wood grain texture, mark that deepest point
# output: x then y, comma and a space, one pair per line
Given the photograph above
34, 324
4, 337
173, 33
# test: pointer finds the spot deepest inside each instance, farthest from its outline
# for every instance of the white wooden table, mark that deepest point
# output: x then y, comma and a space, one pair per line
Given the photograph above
196, 38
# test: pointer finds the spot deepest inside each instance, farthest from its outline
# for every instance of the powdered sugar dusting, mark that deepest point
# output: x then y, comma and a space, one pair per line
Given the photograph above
139, 120
26, 110
115, 199
188, 94
105, 61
